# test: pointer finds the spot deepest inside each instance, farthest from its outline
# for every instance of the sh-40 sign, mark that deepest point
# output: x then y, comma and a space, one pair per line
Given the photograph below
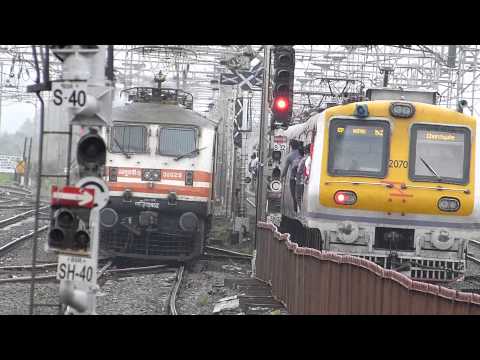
77, 269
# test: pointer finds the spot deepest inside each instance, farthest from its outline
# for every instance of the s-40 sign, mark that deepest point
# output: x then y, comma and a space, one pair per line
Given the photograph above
69, 94
77, 269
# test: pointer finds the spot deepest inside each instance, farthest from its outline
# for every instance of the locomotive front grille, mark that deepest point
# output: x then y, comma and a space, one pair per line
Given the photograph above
156, 244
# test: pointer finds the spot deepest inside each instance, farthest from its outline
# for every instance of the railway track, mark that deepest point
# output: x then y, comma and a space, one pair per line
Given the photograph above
17, 218
5, 249
172, 310
219, 253
15, 207
16, 189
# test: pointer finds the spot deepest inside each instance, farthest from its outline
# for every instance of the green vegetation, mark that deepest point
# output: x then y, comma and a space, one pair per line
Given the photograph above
203, 300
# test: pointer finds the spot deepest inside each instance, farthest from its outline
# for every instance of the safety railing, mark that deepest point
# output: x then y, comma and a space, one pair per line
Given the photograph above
309, 281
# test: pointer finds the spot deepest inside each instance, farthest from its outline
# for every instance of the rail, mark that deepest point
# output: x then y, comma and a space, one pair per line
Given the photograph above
19, 217
310, 281
173, 295
14, 243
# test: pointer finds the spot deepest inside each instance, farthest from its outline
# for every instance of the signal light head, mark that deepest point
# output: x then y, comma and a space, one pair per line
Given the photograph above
285, 59
56, 237
280, 104
65, 219
345, 198
82, 238
91, 151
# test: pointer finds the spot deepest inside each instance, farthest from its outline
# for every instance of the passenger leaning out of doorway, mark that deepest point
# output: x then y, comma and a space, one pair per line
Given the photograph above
301, 178
294, 154
253, 166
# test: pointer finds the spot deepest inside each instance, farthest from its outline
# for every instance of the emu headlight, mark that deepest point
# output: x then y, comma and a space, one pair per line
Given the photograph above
345, 197
402, 110
448, 204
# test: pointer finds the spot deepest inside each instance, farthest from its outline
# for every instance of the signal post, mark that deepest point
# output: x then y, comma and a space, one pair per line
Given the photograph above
85, 94
279, 104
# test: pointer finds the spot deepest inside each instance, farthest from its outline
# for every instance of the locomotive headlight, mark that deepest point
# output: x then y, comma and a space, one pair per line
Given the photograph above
150, 175
146, 175
155, 175
448, 204
402, 110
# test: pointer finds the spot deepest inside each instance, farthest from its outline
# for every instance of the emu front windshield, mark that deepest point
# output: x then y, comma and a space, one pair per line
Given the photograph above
440, 154
358, 148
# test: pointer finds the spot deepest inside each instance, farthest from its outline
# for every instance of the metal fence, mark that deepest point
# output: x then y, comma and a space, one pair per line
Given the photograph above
309, 281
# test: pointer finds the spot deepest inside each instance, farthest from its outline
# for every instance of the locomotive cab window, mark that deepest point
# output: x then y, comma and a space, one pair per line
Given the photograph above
358, 148
129, 139
177, 141
439, 154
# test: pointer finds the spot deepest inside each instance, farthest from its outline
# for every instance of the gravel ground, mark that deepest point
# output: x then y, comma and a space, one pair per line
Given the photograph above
22, 255
145, 294
204, 285
15, 298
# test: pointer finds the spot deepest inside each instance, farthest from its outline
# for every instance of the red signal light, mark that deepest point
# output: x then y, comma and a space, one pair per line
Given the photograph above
345, 198
281, 103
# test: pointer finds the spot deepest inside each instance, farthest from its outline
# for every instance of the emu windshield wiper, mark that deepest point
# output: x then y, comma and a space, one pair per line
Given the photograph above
121, 148
429, 167
190, 152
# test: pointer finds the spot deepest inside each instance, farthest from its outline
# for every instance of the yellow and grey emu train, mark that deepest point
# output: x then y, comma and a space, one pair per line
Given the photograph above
392, 181
159, 171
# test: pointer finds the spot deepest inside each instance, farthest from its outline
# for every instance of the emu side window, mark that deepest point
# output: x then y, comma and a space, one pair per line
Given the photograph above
129, 139
358, 148
177, 141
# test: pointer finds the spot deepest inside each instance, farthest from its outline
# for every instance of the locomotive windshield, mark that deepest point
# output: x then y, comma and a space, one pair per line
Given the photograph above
440, 154
358, 148
177, 141
129, 139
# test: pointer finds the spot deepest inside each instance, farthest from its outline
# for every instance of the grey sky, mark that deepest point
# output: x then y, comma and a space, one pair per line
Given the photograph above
14, 114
